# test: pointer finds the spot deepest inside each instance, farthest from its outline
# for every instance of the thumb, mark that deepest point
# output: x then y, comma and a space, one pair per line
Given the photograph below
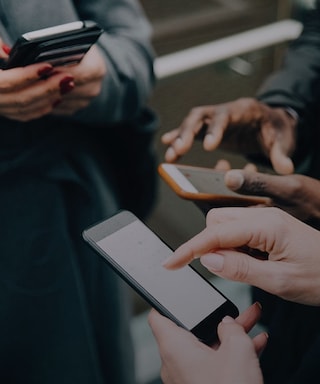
258, 184
237, 266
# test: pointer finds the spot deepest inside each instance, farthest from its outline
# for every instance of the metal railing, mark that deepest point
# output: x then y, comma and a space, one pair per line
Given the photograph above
226, 48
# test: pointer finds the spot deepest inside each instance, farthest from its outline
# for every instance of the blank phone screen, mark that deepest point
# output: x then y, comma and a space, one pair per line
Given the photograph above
138, 251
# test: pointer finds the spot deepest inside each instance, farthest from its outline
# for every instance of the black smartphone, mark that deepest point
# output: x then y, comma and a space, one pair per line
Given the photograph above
63, 44
204, 185
136, 253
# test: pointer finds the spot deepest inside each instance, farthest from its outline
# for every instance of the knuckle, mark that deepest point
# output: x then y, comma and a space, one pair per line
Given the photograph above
241, 268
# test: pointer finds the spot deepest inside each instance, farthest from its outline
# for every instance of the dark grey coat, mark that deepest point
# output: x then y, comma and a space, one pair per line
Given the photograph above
64, 316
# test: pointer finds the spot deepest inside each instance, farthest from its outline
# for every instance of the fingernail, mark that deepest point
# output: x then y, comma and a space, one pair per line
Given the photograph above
56, 103
6, 48
45, 71
213, 262
234, 179
66, 85
228, 320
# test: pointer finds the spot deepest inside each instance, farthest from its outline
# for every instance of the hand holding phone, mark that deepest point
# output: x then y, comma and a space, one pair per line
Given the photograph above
136, 254
204, 185
64, 44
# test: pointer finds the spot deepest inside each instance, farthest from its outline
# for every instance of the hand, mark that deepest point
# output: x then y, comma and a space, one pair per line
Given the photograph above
295, 194
88, 76
30, 92
187, 360
245, 125
292, 270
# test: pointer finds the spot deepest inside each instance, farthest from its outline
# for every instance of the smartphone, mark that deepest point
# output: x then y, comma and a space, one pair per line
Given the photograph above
204, 184
136, 253
63, 44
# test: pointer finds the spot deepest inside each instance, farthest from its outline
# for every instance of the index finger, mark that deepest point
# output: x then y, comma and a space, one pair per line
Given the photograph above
18, 78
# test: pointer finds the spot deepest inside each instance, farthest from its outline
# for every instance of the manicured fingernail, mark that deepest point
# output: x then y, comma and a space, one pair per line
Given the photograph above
234, 179
56, 103
213, 262
66, 85
45, 71
6, 49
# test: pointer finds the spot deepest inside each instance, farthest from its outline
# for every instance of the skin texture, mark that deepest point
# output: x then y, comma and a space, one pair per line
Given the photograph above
244, 125
295, 194
291, 269
31, 92
187, 360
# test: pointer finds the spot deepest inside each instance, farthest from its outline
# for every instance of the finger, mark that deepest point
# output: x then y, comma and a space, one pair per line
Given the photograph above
250, 167
215, 131
168, 335
49, 89
18, 78
236, 266
249, 318
260, 184
223, 165
168, 137
230, 332
281, 163
260, 342
229, 233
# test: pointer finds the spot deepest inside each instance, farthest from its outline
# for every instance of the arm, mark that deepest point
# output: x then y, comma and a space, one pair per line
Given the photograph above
292, 248
297, 85
128, 56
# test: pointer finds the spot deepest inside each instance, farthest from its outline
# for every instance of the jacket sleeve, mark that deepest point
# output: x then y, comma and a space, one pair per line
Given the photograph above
125, 45
297, 85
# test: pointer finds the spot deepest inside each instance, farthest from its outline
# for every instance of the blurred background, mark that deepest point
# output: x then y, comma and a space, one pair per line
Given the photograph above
208, 52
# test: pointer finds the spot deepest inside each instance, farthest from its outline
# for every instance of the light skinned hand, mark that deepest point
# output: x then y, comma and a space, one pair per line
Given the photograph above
187, 360
88, 76
295, 194
292, 270
246, 126
30, 92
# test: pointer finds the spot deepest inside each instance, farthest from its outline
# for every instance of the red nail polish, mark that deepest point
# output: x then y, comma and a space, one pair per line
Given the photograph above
45, 71
56, 103
66, 85
6, 48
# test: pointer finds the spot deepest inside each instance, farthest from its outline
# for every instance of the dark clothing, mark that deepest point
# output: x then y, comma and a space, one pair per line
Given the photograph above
64, 315
293, 352
297, 85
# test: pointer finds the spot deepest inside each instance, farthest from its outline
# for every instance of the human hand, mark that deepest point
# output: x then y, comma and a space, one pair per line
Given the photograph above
187, 360
244, 125
30, 92
88, 76
295, 194
292, 270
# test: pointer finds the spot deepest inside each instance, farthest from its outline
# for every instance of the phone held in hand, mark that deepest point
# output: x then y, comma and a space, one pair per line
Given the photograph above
136, 253
204, 185
63, 44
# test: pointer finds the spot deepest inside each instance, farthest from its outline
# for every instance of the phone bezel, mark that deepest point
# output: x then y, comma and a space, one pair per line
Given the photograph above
206, 329
76, 35
230, 198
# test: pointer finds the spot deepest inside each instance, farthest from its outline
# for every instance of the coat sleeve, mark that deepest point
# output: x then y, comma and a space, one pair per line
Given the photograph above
297, 85
125, 45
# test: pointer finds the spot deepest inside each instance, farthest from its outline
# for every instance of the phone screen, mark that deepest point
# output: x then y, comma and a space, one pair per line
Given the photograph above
195, 180
140, 252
